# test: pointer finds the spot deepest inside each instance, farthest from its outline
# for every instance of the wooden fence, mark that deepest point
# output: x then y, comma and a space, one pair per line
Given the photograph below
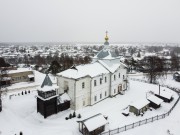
145, 121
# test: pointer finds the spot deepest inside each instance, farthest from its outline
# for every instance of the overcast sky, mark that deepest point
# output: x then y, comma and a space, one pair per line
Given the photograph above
87, 20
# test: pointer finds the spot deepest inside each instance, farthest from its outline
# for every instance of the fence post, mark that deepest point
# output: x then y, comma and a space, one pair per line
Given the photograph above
133, 125
125, 127
109, 132
157, 117
146, 120
118, 129
152, 119
139, 123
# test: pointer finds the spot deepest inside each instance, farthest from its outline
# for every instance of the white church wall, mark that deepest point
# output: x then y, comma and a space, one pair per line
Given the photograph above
100, 89
82, 94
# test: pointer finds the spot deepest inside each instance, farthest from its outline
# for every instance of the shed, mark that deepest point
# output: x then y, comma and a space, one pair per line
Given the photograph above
165, 96
139, 106
155, 102
93, 125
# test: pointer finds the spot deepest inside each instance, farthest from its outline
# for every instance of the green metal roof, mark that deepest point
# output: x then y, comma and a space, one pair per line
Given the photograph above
47, 81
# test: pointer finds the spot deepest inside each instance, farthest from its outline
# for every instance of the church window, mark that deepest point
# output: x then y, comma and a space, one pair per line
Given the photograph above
83, 85
114, 77
114, 90
100, 80
94, 82
105, 79
84, 103
123, 76
105, 93
100, 96
95, 98
119, 75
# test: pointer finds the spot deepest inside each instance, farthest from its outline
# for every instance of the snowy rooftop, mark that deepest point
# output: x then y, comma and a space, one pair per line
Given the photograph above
106, 54
95, 122
140, 103
47, 88
111, 65
92, 70
155, 99
19, 70
64, 97
165, 94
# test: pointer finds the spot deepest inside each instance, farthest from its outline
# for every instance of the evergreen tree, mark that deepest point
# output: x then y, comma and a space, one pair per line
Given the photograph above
55, 67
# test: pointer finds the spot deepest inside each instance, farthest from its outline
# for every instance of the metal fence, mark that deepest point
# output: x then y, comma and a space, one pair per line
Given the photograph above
145, 121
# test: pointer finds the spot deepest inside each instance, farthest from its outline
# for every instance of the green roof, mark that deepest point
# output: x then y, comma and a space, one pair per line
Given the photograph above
47, 81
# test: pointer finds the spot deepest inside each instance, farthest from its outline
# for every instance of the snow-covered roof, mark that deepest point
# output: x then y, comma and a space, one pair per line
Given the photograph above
64, 97
19, 70
44, 99
47, 88
140, 103
31, 76
106, 54
47, 81
95, 122
165, 94
111, 65
92, 70
155, 99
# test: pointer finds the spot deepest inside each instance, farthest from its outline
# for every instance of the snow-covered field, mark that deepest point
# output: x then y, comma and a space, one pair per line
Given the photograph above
19, 114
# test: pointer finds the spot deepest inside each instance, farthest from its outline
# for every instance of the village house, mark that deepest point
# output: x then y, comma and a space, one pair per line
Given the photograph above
89, 84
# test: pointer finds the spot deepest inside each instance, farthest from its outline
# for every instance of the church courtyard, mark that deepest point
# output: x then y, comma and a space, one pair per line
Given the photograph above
20, 113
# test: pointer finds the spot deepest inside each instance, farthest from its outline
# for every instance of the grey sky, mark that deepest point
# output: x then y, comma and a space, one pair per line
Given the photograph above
87, 20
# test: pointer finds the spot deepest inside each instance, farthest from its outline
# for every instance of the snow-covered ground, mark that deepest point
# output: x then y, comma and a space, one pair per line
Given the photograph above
20, 114
166, 80
159, 127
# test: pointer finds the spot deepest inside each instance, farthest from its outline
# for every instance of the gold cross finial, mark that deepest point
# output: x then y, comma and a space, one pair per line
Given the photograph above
106, 38
106, 33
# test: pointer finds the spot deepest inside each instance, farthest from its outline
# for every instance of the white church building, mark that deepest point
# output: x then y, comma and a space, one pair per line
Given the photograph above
88, 84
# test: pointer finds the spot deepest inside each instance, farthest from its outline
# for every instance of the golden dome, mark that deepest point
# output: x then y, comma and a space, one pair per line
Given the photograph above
106, 38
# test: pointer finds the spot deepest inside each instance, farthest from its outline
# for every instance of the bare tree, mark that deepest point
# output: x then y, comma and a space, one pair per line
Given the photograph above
154, 68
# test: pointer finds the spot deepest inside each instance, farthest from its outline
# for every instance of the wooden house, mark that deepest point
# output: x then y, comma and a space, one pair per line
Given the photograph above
93, 125
155, 102
139, 107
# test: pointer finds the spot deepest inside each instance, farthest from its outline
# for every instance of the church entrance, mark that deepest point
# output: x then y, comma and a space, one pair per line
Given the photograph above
119, 88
